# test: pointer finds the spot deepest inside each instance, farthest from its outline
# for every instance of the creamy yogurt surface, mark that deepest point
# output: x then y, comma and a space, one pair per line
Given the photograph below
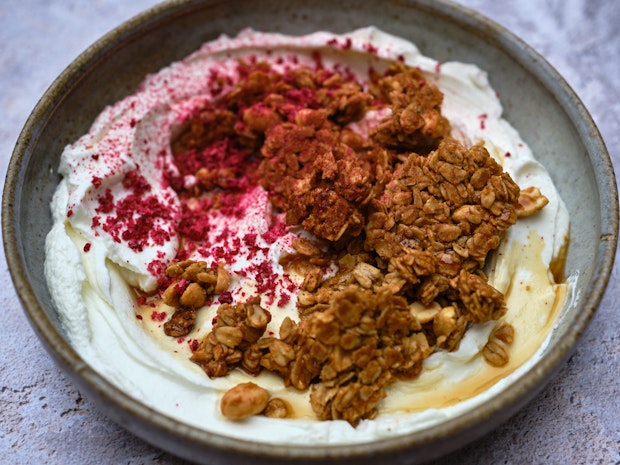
95, 256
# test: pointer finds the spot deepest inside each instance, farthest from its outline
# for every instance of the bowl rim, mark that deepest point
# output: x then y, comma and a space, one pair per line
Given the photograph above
511, 399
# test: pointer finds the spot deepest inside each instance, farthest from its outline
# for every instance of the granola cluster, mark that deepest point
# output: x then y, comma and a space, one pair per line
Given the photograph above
193, 283
407, 214
233, 339
323, 174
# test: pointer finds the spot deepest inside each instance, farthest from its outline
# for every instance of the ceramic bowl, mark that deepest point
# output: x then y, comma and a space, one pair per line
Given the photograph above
537, 101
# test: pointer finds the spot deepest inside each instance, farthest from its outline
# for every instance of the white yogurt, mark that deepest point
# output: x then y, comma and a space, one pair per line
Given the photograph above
91, 269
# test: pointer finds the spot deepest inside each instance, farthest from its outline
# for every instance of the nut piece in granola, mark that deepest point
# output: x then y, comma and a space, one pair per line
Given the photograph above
278, 408
531, 201
244, 400
497, 350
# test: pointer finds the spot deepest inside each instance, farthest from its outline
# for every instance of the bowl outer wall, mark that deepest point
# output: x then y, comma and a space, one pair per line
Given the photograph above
537, 102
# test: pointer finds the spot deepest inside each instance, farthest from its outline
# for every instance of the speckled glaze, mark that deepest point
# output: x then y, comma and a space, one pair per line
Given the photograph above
537, 102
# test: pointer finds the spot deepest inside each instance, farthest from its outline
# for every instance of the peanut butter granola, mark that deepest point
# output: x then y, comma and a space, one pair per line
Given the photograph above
406, 213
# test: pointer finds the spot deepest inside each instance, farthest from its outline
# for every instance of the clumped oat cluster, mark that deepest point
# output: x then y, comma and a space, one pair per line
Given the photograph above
407, 214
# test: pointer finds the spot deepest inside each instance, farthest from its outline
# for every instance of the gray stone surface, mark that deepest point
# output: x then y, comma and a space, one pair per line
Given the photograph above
45, 420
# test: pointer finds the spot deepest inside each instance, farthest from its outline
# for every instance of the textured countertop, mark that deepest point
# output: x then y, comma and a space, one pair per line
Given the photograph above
45, 420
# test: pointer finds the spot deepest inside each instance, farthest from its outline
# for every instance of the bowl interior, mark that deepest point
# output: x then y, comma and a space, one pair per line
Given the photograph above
536, 101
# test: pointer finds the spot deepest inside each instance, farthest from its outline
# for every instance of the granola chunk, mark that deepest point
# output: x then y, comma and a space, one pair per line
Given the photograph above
416, 123
481, 301
497, 350
319, 181
371, 339
232, 340
454, 204
346, 354
192, 283
349, 352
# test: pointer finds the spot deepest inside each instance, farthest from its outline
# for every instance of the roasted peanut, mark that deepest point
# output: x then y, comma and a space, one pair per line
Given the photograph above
222, 281
531, 201
278, 408
193, 296
244, 400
